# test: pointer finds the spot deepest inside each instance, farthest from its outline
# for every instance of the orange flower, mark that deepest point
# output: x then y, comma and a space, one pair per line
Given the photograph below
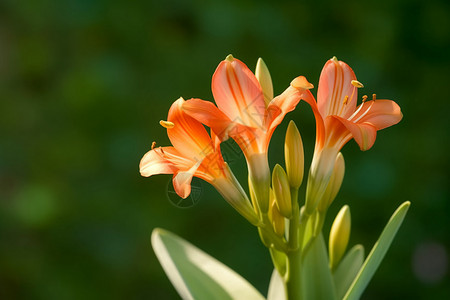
339, 119
243, 114
194, 153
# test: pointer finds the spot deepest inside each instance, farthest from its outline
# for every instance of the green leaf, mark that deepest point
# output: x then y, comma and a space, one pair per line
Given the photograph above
276, 287
347, 270
195, 274
377, 253
316, 279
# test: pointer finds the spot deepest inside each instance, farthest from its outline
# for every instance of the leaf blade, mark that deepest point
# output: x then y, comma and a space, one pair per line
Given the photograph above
195, 274
377, 253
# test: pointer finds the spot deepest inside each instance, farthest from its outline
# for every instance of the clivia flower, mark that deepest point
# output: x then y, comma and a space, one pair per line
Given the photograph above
194, 153
339, 119
247, 113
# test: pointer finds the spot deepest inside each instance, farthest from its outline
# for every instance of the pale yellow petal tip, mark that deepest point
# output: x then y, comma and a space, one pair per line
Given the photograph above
301, 83
166, 124
229, 58
334, 58
357, 84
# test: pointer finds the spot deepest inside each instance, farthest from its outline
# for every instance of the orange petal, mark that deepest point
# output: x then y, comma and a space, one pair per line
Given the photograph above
334, 85
363, 133
382, 114
182, 181
238, 93
208, 114
188, 135
155, 162
280, 106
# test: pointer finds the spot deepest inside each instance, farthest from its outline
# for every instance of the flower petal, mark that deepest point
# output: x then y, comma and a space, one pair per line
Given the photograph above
379, 113
238, 93
334, 85
207, 113
342, 130
188, 135
182, 181
155, 162
280, 106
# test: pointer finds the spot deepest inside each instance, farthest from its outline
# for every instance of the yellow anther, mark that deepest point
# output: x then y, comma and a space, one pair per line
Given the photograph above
166, 124
374, 97
229, 58
345, 100
357, 84
153, 145
364, 98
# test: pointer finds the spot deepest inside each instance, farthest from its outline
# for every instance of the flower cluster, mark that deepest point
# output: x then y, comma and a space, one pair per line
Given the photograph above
246, 111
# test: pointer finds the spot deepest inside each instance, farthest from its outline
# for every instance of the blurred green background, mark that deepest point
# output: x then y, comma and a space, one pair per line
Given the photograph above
84, 83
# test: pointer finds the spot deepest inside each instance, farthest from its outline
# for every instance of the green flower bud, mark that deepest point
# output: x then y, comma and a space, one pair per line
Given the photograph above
282, 192
263, 76
294, 156
339, 236
275, 216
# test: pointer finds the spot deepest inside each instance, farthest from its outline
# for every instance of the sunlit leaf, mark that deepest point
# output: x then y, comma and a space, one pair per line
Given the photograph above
317, 281
276, 287
195, 274
347, 270
377, 253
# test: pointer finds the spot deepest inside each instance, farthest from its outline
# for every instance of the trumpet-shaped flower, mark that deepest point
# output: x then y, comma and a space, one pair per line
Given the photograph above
243, 114
339, 119
194, 153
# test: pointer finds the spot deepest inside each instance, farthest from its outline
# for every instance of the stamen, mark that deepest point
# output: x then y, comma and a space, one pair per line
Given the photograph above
364, 113
357, 84
166, 124
374, 97
344, 103
153, 145
345, 100
364, 98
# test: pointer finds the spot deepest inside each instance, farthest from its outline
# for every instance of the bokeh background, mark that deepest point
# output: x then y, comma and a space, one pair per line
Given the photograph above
84, 83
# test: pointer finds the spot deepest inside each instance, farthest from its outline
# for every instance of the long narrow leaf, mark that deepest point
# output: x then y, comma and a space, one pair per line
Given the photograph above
317, 282
377, 253
347, 270
195, 274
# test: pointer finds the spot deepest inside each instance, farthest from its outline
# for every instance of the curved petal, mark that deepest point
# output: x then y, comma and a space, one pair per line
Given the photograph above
158, 161
208, 114
334, 85
188, 135
238, 93
182, 181
379, 113
364, 134
279, 107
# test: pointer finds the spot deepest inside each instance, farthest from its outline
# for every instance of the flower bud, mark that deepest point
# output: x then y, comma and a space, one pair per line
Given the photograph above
282, 191
263, 76
334, 185
294, 156
339, 236
275, 216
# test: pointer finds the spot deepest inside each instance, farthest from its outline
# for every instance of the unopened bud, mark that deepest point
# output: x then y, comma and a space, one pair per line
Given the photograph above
275, 216
339, 236
282, 191
334, 185
263, 75
294, 156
